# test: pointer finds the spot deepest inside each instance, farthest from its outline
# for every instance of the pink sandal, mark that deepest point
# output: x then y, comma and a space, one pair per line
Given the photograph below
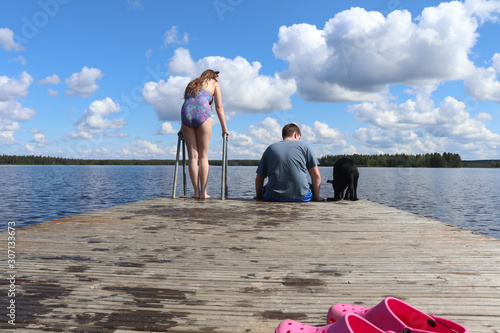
394, 314
349, 323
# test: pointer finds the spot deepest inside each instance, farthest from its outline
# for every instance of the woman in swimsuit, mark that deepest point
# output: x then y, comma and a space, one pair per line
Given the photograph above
197, 126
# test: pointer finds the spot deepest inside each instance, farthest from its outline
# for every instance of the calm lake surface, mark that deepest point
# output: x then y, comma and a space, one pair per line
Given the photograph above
32, 194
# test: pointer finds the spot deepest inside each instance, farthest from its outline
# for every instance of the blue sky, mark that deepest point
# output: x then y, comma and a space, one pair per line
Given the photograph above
105, 79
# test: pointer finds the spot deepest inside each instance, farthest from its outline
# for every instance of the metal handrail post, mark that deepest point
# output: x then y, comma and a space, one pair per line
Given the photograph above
184, 166
224, 168
176, 165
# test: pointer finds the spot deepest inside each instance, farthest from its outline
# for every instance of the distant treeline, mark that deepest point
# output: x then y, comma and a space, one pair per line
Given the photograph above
47, 160
435, 160
481, 164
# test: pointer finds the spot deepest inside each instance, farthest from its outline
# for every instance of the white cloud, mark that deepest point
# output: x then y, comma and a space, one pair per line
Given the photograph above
7, 41
267, 131
358, 54
7, 138
496, 62
182, 64
40, 139
148, 54
53, 79
417, 125
483, 116
167, 128
94, 122
172, 37
320, 133
484, 10
146, 147
52, 92
143, 149
14, 88
242, 146
240, 140
483, 84
20, 59
324, 140
243, 89
84, 83
166, 97
13, 110
135, 4
11, 113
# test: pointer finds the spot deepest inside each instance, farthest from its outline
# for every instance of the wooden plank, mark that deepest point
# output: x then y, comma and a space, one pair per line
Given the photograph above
244, 266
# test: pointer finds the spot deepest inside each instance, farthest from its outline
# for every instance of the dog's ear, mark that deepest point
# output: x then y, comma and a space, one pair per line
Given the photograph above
329, 181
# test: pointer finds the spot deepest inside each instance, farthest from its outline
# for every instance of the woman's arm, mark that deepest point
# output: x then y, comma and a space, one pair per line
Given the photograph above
219, 108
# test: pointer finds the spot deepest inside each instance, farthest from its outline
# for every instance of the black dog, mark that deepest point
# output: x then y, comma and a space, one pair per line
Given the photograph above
345, 175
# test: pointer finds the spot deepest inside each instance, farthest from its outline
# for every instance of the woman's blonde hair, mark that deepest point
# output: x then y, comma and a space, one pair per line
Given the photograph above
195, 85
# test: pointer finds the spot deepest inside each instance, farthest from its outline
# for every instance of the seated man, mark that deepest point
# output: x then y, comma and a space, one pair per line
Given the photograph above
286, 164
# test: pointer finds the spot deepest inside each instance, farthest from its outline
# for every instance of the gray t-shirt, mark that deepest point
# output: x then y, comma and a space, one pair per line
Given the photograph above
286, 164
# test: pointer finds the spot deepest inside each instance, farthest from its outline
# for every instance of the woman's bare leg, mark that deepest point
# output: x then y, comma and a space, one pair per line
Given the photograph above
192, 149
203, 136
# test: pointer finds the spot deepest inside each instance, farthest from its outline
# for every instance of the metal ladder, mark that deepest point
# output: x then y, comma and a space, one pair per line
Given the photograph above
180, 142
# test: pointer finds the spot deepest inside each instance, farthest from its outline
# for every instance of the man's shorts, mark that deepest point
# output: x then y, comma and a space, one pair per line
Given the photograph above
268, 197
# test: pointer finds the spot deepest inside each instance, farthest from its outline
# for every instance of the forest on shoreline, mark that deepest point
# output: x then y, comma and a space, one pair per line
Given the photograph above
431, 160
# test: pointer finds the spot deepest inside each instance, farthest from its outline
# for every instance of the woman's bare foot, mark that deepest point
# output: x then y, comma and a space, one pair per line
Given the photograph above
206, 196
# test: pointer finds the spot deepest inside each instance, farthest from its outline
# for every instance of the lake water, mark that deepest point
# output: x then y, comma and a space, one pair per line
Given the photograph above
32, 194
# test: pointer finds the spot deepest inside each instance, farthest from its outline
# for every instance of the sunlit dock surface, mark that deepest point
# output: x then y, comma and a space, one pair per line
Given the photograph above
182, 265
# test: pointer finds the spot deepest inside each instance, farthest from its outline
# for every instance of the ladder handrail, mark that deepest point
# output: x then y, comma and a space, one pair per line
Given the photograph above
223, 190
177, 157
179, 141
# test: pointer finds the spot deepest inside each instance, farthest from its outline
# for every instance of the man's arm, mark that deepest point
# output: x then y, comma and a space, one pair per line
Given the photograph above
316, 183
259, 184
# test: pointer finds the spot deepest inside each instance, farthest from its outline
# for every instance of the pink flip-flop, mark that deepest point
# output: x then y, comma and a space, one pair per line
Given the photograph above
350, 323
394, 314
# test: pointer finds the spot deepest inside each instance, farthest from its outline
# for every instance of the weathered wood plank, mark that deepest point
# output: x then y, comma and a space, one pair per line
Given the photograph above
244, 266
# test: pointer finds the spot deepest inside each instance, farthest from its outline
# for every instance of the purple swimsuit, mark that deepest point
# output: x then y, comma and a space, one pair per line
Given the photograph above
196, 109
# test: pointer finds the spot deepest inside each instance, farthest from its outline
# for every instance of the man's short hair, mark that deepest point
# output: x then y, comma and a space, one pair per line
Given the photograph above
289, 130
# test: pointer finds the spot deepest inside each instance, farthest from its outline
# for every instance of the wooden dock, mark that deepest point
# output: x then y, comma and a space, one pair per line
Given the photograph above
244, 266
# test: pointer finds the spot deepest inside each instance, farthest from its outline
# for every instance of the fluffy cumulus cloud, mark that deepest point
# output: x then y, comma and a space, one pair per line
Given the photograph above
166, 96
167, 128
7, 41
323, 139
53, 79
144, 149
267, 131
52, 92
243, 88
84, 84
359, 53
242, 146
40, 139
321, 133
94, 121
172, 37
417, 125
483, 83
11, 110
14, 88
